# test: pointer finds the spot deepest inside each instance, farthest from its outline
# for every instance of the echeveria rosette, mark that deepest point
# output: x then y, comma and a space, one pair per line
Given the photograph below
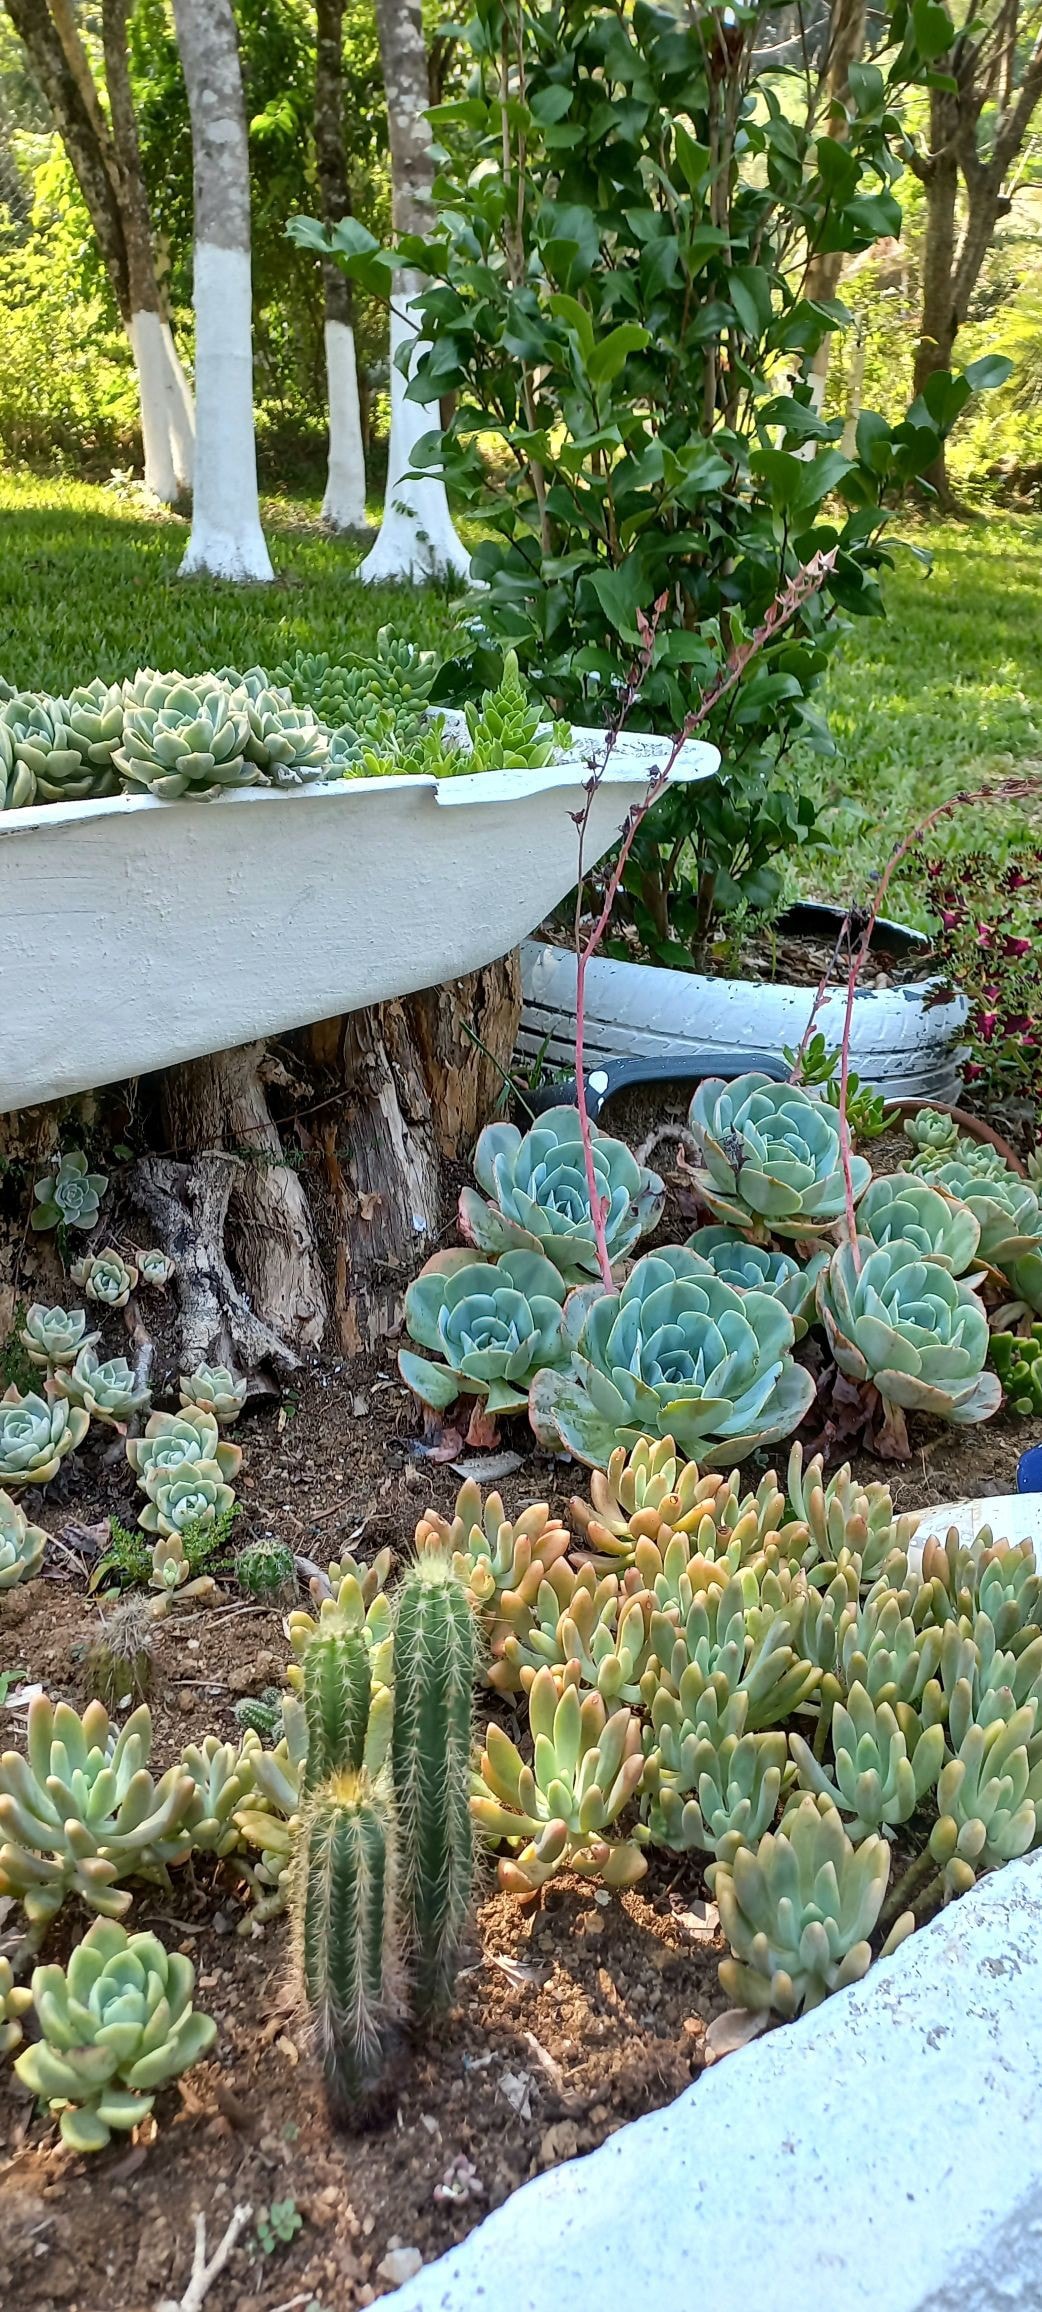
771, 1157
36, 1433
917, 1333
117, 2024
45, 745
106, 1388
195, 1495
17, 783
286, 742
93, 712
213, 1389
178, 1441
751, 1268
52, 1337
538, 1199
496, 1324
21, 1545
184, 738
154, 1267
676, 1353
105, 1277
70, 1194
926, 1213
1008, 1213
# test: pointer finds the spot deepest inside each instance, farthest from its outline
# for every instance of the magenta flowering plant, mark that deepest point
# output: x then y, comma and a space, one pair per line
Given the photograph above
987, 939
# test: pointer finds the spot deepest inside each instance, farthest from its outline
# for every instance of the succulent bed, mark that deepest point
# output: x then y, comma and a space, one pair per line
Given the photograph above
703, 1666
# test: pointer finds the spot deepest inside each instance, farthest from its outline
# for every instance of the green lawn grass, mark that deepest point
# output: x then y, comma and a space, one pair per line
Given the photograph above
945, 693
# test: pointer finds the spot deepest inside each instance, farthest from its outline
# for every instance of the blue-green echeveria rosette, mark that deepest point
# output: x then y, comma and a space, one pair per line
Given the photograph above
937, 1223
917, 1333
677, 1353
494, 1325
70, 1194
770, 1156
751, 1268
538, 1199
117, 2024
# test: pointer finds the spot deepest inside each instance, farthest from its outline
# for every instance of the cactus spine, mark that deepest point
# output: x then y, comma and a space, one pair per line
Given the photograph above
345, 1920
338, 1688
434, 1668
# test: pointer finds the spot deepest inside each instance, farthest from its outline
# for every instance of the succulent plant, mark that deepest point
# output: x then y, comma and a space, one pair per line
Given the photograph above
885, 1761
711, 1789
54, 1337
751, 1268
495, 1324
108, 1390
798, 1912
844, 1515
155, 1267
500, 1562
193, 1495
184, 738
213, 1389
267, 1820
939, 1143
931, 1133
93, 713
17, 782
650, 1494
898, 1205
222, 1779
171, 1569
43, 742
80, 1812
574, 1628
585, 1770
733, 1634
21, 1545
260, 1714
346, 1931
879, 1647
770, 1156
503, 729
15, 2000
959, 1580
435, 1665
266, 1569
989, 1798
675, 1353
119, 1661
69, 1193
539, 1201
1007, 1211
105, 1277
917, 1333
338, 1704
117, 2024
285, 741
174, 1441
1017, 1358
35, 1436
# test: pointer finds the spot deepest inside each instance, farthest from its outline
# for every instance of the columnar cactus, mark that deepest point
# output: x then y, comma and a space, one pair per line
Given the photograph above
500, 1561
338, 1692
117, 2024
345, 1915
434, 1658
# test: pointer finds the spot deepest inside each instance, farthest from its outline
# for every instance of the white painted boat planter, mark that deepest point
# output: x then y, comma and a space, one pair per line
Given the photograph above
135, 933
901, 1037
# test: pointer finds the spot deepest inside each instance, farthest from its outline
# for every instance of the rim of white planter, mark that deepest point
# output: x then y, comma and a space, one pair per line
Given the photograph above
162, 931
1012, 1517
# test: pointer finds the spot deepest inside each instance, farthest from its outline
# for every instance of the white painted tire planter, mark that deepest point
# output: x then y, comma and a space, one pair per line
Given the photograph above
901, 1037
135, 933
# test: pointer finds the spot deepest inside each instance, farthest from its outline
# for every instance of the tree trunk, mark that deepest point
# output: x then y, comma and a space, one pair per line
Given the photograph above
73, 118
343, 506
846, 41
938, 322
226, 540
166, 420
417, 536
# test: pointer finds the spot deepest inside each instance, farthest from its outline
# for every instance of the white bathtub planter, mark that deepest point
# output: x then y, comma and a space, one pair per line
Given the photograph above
135, 934
1013, 1517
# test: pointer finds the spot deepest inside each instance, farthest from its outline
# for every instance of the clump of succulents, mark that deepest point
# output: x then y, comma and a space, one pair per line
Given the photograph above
709, 1787
492, 1325
21, 1545
222, 1779
17, 783
266, 1569
80, 1813
52, 1337
36, 1433
770, 1157
192, 1496
1017, 1358
555, 1813
105, 1277
677, 1353
798, 1911
286, 742
175, 1441
117, 2024
172, 1571
913, 1331
93, 713
505, 729
751, 1268
213, 1389
933, 1135
184, 738
1008, 1213
154, 1267
15, 2001
941, 1227
69, 1195
884, 1762
108, 1389
536, 1197
44, 744
501, 1562
844, 1516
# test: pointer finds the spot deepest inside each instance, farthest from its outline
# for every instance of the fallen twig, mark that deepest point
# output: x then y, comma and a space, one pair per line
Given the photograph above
204, 2274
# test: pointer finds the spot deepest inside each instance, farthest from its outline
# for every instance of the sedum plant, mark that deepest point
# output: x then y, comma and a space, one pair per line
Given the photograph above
345, 1919
193, 1495
184, 739
536, 1197
912, 1330
989, 1797
15, 2000
770, 1157
80, 1813
751, 1268
585, 1770
52, 1337
108, 1390
710, 1788
650, 1494
501, 1562
842, 1515
36, 1433
435, 1665
213, 1389
175, 1441
492, 1325
221, 1774
117, 2024
105, 1277
897, 1205
21, 1545
1017, 1358
69, 1195
885, 1762
675, 1353
798, 1912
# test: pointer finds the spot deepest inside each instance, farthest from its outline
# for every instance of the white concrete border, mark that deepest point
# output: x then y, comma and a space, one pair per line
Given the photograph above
881, 2155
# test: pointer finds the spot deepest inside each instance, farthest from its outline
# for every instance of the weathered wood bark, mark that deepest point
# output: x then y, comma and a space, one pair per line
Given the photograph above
343, 506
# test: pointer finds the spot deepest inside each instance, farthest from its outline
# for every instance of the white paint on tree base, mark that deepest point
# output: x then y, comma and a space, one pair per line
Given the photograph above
882, 2155
181, 411
227, 540
155, 385
417, 537
174, 929
343, 506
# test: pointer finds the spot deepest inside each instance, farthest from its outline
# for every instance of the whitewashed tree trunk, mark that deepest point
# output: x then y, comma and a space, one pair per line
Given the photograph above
145, 331
227, 540
417, 536
343, 506
180, 412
